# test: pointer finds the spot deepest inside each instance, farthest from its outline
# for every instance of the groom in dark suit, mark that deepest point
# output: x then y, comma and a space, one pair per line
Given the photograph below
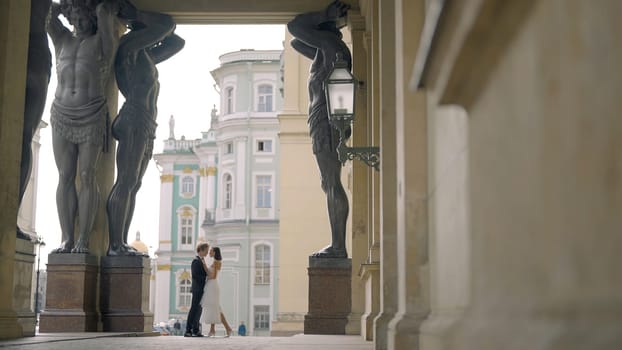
198, 283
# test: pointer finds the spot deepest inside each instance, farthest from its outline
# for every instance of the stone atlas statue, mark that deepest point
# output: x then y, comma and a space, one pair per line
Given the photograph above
87, 58
37, 78
150, 41
79, 115
317, 37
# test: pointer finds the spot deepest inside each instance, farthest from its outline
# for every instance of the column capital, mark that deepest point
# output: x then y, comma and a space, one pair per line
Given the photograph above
356, 22
208, 171
167, 178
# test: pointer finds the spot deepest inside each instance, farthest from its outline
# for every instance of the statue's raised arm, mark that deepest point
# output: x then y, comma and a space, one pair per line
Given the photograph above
151, 40
319, 30
106, 27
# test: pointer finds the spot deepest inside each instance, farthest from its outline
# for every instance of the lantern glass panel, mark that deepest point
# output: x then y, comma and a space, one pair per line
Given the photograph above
341, 98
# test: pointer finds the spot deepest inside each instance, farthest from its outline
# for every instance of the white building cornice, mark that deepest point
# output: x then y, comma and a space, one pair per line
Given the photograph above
250, 55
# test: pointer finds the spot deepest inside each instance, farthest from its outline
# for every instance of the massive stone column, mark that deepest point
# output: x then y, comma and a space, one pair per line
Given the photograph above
543, 171
388, 174
449, 239
412, 184
544, 175
14, 28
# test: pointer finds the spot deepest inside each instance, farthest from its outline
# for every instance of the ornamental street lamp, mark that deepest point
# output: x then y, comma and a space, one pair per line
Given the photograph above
39, 242
339, 88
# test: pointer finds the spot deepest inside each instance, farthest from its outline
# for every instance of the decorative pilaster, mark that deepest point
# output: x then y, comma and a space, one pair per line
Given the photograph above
211, 192
166, 209
202, 214
388, 174
22, 286
373, 124
163, 287
360, 196
370, 276
242, 179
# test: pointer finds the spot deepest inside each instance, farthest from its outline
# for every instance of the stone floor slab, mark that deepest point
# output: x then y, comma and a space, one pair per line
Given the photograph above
141, 341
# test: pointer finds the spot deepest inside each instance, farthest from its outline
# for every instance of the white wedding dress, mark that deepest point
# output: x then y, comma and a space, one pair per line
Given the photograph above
210, 302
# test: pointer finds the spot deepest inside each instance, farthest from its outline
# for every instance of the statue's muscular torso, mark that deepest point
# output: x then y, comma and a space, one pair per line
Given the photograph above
82, 71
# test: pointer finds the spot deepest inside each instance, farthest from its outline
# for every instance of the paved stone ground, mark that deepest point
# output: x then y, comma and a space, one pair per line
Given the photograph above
104, 341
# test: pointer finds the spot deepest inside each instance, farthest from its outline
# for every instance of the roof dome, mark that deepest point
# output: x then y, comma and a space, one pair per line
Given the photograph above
139, 245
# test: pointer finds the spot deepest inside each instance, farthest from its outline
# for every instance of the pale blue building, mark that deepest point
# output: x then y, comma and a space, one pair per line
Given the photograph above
222, 188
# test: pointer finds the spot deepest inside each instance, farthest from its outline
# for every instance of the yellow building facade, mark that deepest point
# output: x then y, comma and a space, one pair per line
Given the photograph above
494, 221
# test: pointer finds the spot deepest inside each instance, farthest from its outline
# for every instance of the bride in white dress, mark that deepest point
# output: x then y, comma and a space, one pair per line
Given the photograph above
212, 313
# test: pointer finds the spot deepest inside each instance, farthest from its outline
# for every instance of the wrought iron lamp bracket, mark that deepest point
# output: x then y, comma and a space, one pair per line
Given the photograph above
368, 155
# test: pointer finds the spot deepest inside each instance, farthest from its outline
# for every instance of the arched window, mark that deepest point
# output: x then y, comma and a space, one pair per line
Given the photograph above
228, 195
229, 100
187, 184
264, 98
184, 294
186, 230
262, 264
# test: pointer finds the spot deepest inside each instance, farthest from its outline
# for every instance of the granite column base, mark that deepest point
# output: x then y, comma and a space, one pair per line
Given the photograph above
125, 294
71, 294
330, 295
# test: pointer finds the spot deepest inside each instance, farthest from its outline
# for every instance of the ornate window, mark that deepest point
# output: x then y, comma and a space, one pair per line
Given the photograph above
264, 191
262, 264
186, 217
228, 194
187, 185
186, 230
184, 291
262, 317
264, 98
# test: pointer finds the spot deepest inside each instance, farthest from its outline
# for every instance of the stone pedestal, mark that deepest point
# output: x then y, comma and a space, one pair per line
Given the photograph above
71, 294
22, 286
330, 296
125, 294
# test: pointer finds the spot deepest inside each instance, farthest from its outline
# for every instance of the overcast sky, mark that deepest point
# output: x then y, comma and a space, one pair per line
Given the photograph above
187, 92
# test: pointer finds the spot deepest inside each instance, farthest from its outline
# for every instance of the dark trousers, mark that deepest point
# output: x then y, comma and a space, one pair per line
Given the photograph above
194, 315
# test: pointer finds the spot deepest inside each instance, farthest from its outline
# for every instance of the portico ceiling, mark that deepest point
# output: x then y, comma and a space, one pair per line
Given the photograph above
233, 11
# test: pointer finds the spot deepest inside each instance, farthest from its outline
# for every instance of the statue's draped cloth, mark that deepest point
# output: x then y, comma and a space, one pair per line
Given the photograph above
87, 123
324, 136
135, 122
